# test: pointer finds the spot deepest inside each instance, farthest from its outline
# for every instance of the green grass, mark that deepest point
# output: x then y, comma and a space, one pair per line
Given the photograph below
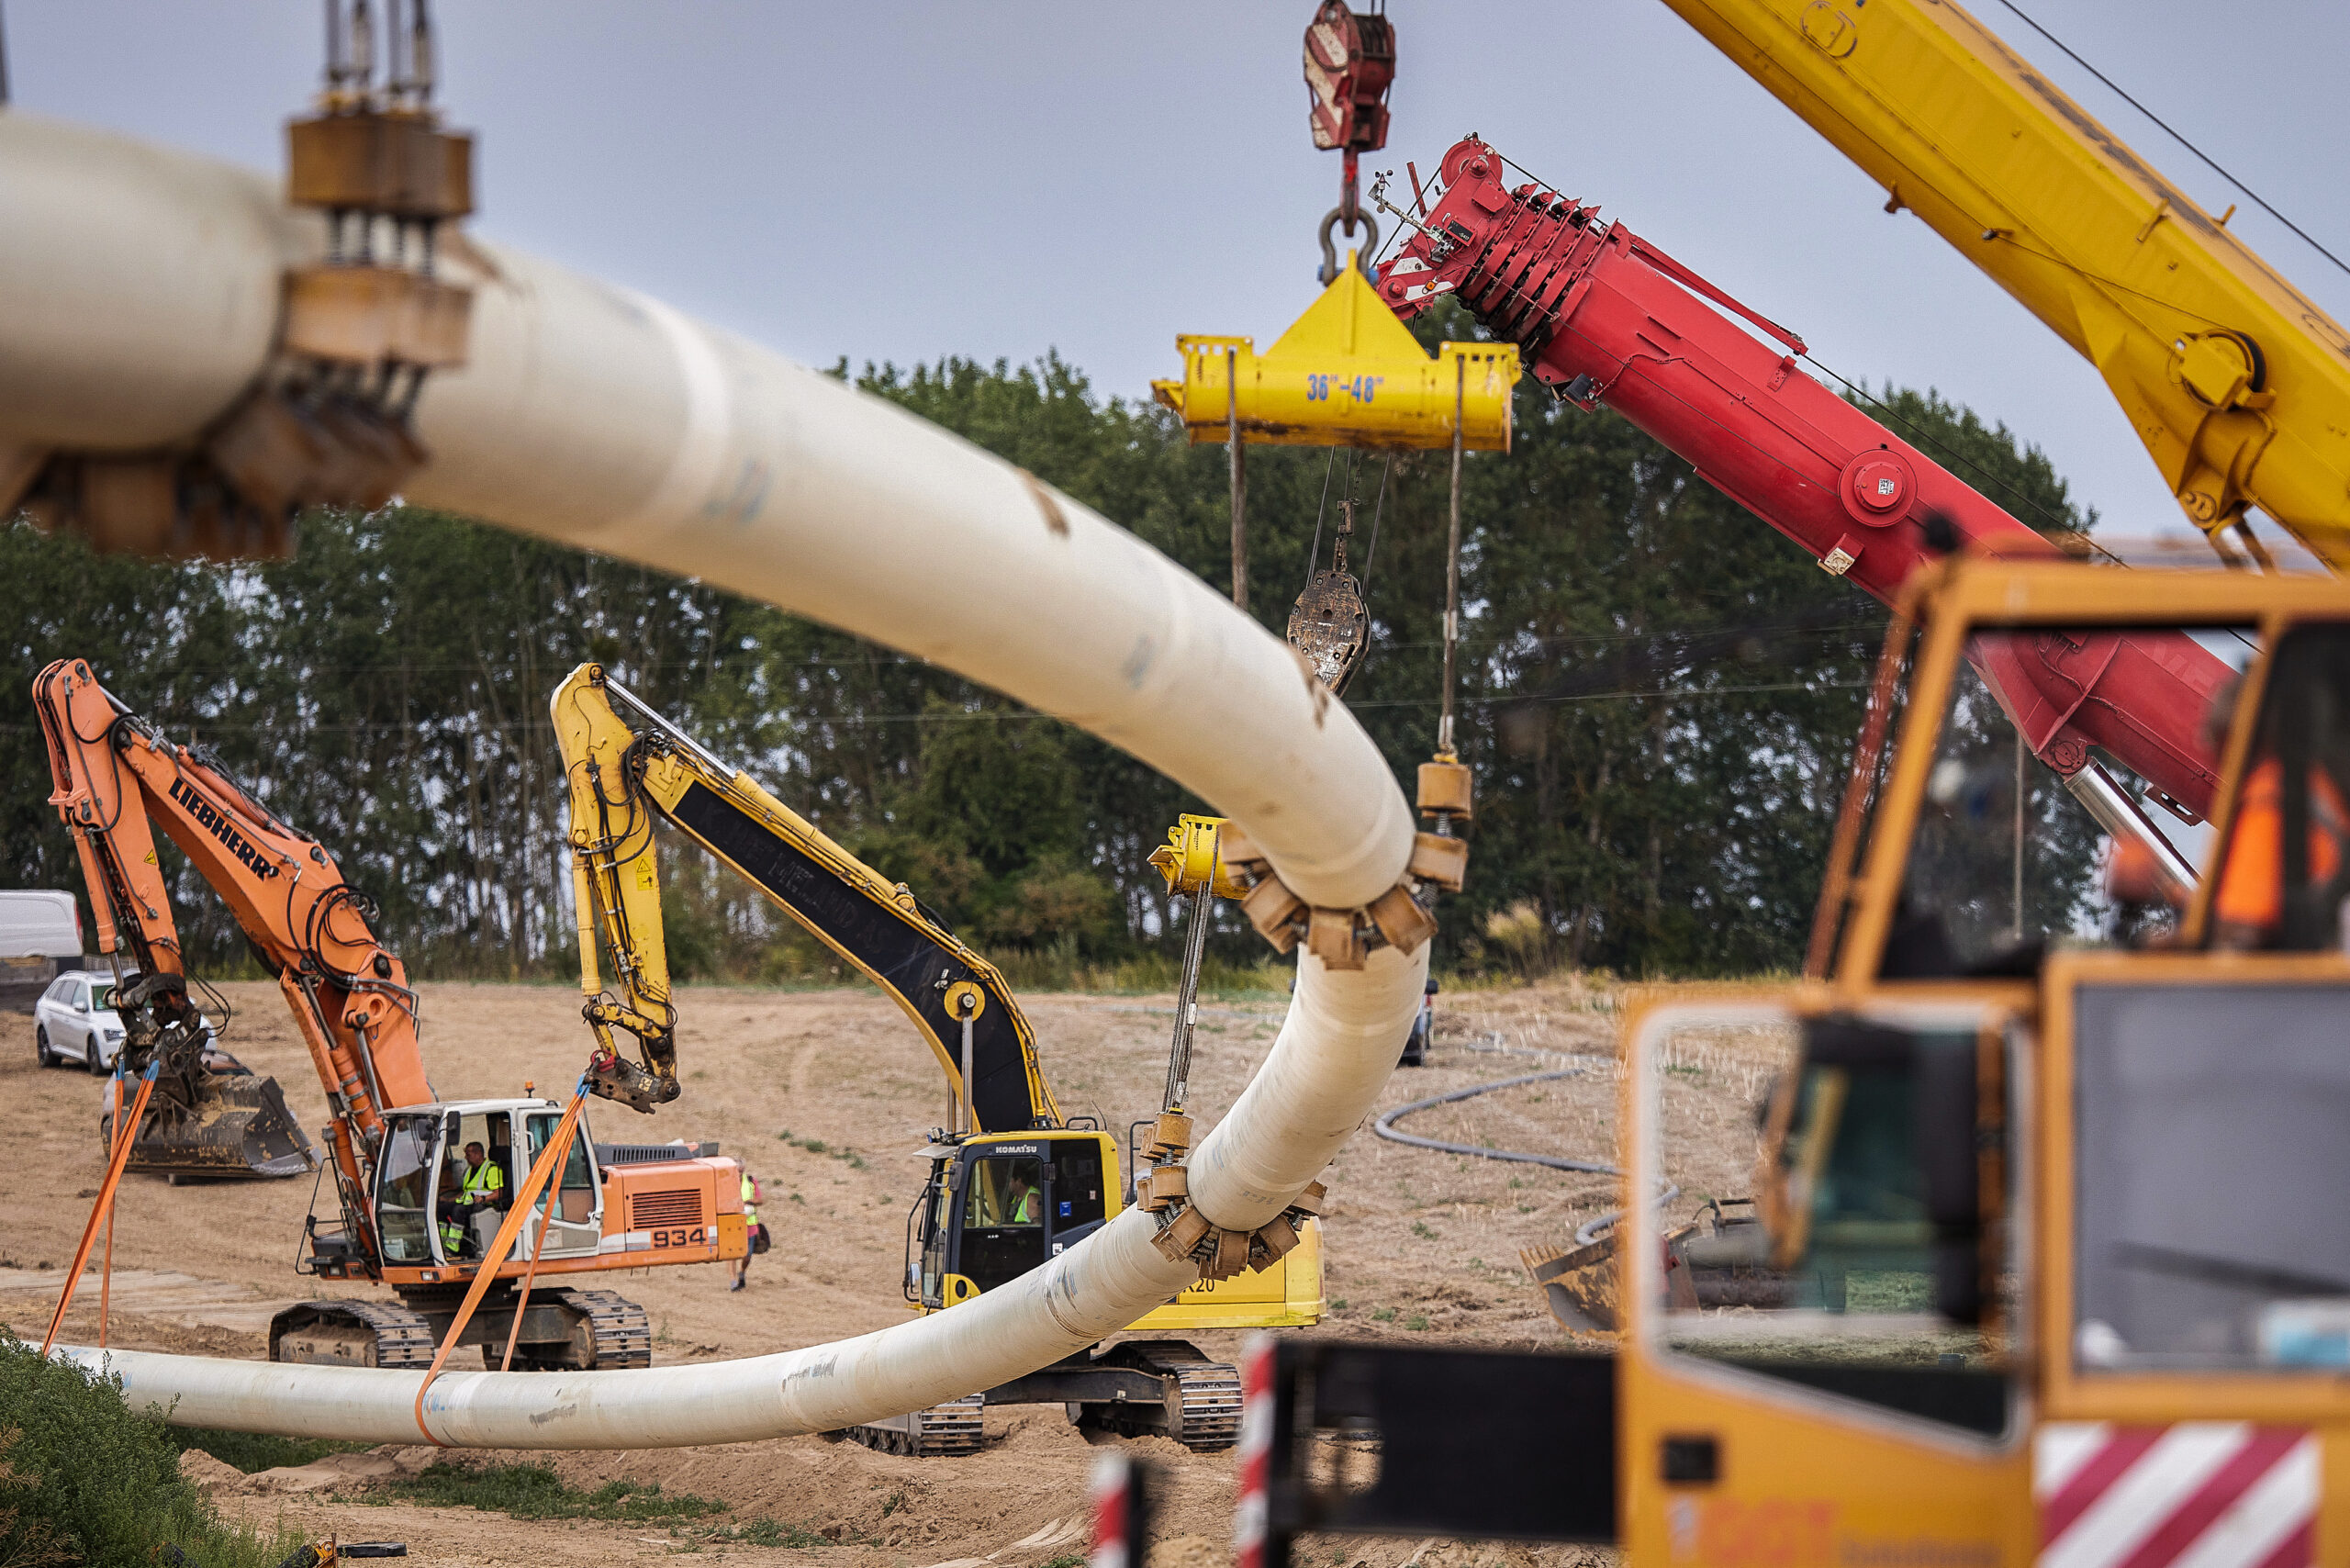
87, 1481
1383, 1315
536, 1492
254, 1452
1420, 1228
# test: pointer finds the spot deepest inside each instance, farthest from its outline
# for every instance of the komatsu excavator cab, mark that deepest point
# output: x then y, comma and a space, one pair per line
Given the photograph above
996, 1207
999, 1204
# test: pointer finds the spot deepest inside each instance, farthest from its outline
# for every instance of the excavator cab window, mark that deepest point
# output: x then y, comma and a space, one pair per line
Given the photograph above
404, 1189
575, 1193
2211, 1122
1077, 1191
931, 1229
1003, 1218
577, 1218
478, 1182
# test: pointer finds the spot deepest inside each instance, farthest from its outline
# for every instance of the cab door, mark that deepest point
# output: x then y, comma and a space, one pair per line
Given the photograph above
577, 1197
404, 1196
1857, 1401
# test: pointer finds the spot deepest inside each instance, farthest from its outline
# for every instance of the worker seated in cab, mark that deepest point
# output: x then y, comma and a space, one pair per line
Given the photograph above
1020, 1201
472, 1200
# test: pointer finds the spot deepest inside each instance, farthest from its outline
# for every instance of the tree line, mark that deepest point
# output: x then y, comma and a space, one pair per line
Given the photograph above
1658, 695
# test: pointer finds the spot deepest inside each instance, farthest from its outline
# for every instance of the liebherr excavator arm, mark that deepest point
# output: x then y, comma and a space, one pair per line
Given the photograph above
1603, 317
117, 779
626, 769
2237, 383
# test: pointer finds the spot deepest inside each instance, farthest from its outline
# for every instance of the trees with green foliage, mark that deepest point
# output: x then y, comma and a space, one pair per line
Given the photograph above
1658, 695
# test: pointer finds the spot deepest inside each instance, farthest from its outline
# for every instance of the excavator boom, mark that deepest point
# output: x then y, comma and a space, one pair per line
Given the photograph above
623, 772
117, 779
2236, 382
1603, 317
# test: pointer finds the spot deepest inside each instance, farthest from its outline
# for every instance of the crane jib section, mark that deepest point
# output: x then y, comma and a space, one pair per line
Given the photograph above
1602, 318
899, 956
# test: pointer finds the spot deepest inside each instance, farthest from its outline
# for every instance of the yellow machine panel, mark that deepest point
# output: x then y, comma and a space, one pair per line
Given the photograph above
1347, 372
1287, 1294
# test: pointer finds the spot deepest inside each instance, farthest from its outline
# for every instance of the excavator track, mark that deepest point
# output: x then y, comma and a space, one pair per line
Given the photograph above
944, 1432
1208, 1396
1201, 1410
613, 1330
352, 1334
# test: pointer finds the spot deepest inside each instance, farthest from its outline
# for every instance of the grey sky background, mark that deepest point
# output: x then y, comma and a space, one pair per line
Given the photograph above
903, 180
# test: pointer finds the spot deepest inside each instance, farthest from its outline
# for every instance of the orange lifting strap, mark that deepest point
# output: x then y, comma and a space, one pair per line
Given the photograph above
101, 1213
549, 1161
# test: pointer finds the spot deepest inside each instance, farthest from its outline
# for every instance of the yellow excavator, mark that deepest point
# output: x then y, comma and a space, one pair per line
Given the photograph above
2237, 383
1011, 1181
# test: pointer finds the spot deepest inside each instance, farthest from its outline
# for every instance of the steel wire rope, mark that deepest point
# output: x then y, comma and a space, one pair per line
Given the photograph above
1321, 509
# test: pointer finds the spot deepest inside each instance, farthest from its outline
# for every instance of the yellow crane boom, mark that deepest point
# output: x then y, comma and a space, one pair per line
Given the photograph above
2236, 382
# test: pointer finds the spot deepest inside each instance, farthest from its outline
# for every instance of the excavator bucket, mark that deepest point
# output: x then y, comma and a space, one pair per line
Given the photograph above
224, 1123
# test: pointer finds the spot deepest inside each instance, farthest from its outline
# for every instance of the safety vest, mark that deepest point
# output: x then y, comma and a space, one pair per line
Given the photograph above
1024, 1211
478, 1182
750, 1200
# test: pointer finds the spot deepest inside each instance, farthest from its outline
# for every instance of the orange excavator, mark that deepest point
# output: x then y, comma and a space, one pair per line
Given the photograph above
423, 1185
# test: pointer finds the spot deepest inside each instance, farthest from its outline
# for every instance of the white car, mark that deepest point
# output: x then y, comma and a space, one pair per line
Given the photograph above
74, 1021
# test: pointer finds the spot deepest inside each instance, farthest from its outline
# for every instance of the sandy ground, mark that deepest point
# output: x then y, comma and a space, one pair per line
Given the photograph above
1420, 1246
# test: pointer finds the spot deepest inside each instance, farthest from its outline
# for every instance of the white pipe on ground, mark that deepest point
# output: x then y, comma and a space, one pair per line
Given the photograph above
603, 419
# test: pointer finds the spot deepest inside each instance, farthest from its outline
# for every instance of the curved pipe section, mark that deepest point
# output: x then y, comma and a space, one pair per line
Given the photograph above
599, 417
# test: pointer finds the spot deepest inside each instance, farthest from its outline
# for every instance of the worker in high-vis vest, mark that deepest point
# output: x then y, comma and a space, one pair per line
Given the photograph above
470, 1223
754, 1233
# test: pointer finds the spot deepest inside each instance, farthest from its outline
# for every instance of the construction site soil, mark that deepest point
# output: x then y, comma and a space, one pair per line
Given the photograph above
826, 1096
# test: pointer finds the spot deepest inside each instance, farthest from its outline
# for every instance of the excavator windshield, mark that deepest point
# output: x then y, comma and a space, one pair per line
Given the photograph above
1003, 1218
404, 1189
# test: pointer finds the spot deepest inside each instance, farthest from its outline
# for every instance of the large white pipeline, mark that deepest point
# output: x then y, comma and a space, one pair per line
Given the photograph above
139, 288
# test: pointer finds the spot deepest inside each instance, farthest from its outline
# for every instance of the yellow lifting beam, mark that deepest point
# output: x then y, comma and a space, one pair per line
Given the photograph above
1346, 373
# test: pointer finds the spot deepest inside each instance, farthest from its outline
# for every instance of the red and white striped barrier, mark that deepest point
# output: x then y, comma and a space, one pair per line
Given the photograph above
2197, 1495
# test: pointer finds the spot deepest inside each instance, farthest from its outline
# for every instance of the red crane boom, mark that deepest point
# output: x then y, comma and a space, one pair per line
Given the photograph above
1602, 316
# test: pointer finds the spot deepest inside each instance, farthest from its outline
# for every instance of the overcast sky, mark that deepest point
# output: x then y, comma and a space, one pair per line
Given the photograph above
903, 180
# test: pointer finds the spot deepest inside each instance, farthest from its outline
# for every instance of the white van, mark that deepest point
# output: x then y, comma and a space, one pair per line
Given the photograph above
39, 924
